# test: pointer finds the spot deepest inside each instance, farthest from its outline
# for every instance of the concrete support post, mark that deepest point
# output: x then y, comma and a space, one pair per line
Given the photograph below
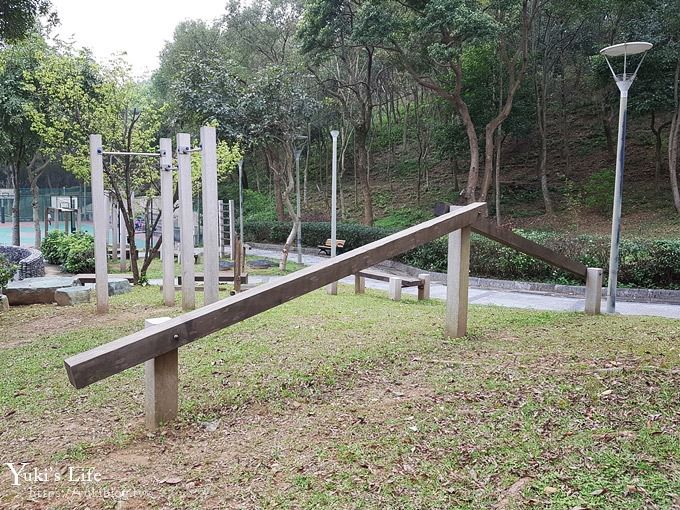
395, 288
593, 291
458, 269
167, 223
424, 288
186, 221
211, 249
359, 284
100, 216
232, 231
161, 393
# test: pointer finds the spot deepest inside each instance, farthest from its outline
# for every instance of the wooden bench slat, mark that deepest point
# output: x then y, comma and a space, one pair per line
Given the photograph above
406, 281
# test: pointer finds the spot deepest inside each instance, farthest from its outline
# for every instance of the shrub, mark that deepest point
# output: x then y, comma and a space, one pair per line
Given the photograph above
75, 252
80, 258
54, 247
647, 263
599, 191
7, 271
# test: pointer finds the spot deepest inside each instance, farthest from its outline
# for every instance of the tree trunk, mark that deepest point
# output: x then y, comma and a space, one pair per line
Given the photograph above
277, 195
360, 135
674, 140
658, 163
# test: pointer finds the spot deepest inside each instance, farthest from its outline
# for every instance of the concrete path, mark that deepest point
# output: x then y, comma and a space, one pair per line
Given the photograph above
513, 299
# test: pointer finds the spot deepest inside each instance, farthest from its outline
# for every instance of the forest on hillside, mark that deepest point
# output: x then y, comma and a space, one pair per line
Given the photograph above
504, 101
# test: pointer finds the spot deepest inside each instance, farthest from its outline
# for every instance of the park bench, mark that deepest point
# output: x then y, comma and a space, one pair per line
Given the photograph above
326, 247
224, 276
109, 251
84, 278
397, 282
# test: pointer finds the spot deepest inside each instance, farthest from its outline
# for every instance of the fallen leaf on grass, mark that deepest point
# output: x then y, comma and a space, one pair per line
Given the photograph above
598, 492
514, 492
172, 480
606, 393
550, 490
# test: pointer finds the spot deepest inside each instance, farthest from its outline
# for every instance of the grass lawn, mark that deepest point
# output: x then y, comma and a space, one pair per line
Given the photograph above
351, 402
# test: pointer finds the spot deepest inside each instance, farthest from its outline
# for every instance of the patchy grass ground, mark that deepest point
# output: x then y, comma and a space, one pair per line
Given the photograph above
350, 402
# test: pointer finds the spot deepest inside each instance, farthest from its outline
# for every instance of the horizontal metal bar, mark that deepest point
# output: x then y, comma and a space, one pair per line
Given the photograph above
188, 150
117, 153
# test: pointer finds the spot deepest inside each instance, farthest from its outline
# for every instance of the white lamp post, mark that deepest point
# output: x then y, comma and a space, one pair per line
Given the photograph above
624, 82
333, 287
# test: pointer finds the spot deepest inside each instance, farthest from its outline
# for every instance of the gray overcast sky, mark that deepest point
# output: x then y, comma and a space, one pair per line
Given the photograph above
138, 27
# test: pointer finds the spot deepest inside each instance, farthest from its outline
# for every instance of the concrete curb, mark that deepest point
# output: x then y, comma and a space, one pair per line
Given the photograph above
663, 296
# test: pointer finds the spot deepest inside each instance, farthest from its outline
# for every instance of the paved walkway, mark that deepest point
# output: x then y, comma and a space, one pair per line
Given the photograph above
513, 299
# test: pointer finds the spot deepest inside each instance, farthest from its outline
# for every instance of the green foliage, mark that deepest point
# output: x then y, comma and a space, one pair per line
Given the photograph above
7, 271
644, 263
74, 251
80, 258
55, 247
257, 206
402, 218
599, 190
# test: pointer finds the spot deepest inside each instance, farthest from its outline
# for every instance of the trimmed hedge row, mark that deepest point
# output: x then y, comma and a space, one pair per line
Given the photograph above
645, 263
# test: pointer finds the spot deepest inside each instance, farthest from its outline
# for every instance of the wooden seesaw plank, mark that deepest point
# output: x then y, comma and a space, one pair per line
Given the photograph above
96, 364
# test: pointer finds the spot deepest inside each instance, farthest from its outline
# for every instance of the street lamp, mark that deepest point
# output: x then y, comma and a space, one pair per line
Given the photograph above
333, 287
298, 153
623, 82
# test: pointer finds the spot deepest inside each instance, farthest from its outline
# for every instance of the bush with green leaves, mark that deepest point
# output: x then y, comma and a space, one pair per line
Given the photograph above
75, 252
7, 271
646, 263
599, 191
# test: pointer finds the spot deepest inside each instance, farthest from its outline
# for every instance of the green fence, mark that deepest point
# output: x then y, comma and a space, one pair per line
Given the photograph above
84, 200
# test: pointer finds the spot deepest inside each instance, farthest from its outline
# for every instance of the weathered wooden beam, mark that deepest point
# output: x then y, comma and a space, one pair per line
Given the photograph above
593, 291
457, 281
114, 357
167, 222
211, 248
424, 288
395, 288
161, 394
186, 220
519, 243
100, 219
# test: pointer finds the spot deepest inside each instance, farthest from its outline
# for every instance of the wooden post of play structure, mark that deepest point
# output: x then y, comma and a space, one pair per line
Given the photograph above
359, 284
593, 291
237, 263
186, 221
47, 223
395, 288
232, 231
424, 289
115, 236
167, 223
220, 217
211, 248
161, 393
122, 231
100, 216
457, 277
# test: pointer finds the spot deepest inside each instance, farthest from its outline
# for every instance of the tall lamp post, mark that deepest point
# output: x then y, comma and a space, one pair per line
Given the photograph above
298, 153
333, 287
623, 82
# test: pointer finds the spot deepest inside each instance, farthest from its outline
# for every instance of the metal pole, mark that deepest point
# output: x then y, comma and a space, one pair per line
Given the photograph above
298, 152
240, 198
333, 287
618, 197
